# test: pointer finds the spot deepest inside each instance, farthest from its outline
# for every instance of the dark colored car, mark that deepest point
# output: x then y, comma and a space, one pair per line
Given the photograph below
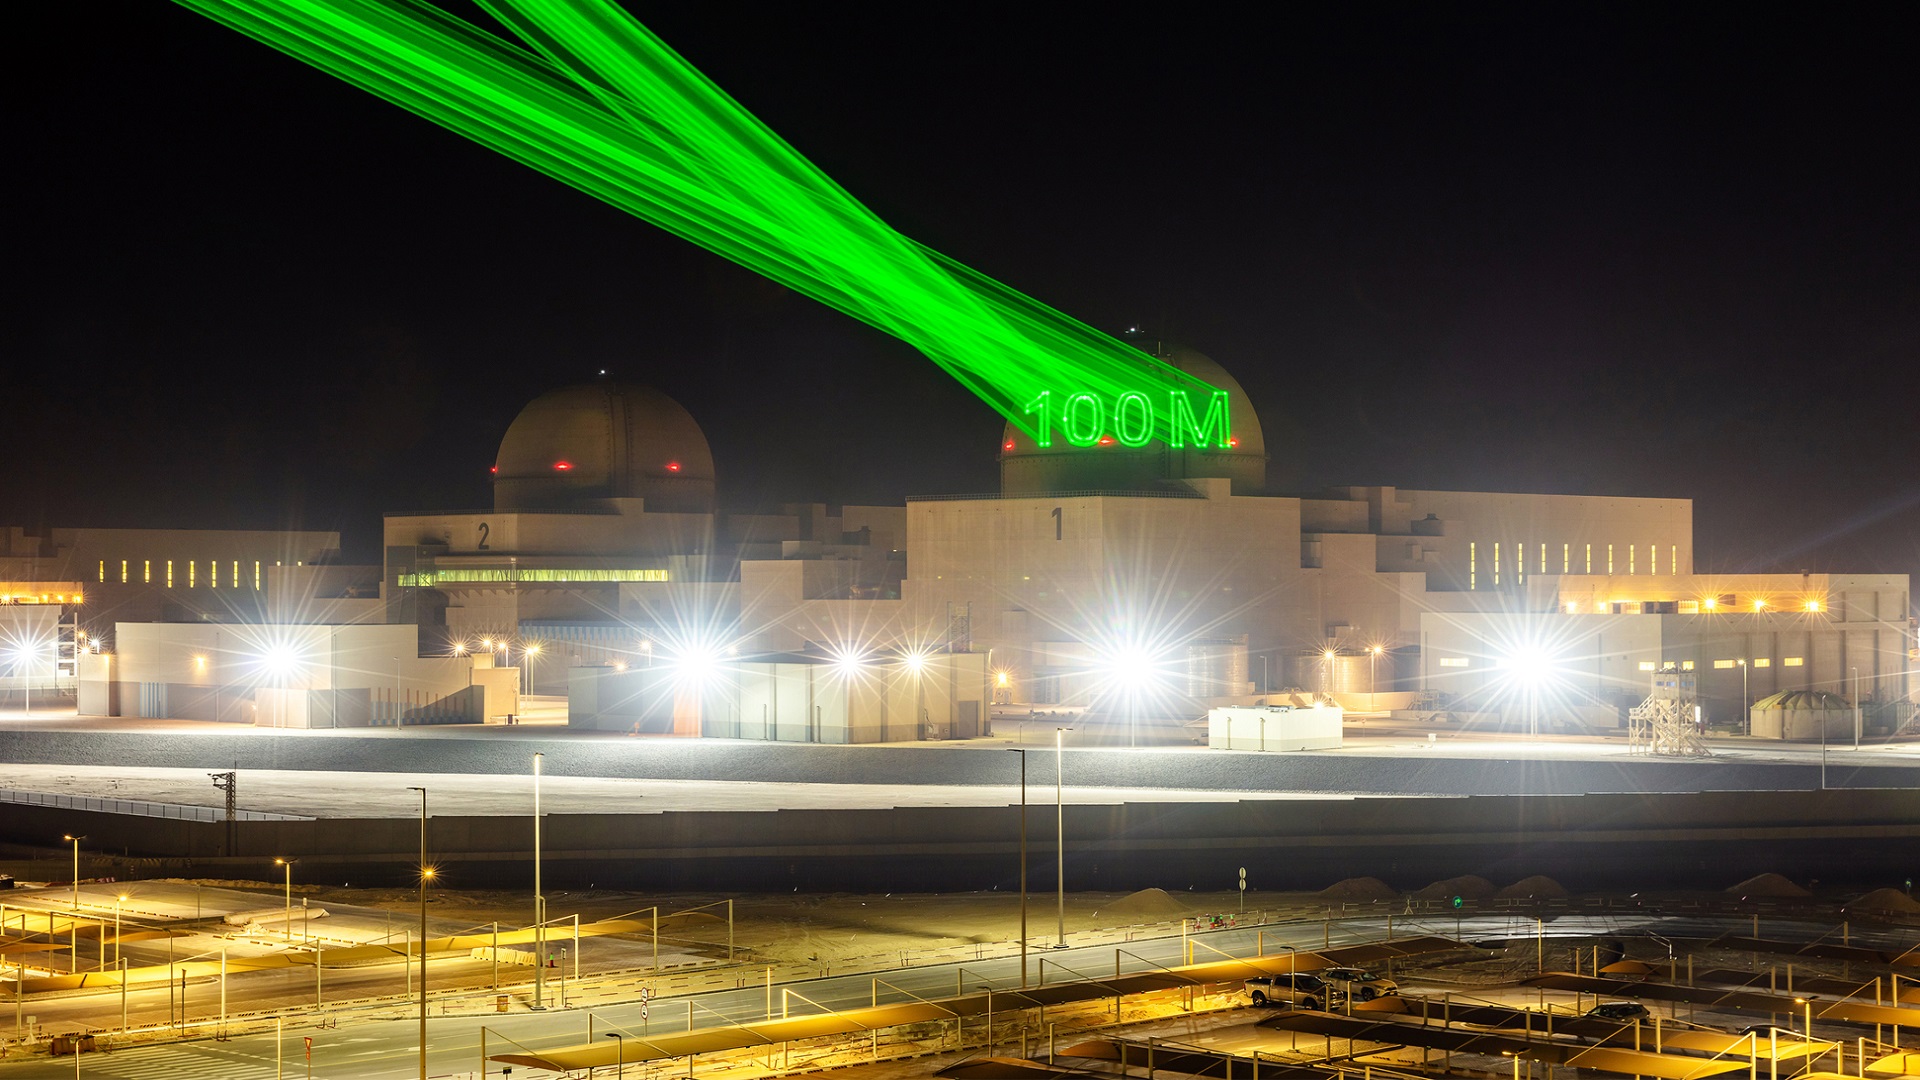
1299, 989
1622, 1011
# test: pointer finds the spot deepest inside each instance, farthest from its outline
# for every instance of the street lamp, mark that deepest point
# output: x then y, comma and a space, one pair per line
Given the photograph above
1373, 654
287, 866
539, 901
1023, 862
73, 929
426, 875
117, 901
619, 1053
527, 653
1060, 832
1856, 708
1746, 709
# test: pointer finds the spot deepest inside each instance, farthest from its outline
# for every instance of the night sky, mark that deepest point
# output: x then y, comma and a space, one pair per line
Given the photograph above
1669, 251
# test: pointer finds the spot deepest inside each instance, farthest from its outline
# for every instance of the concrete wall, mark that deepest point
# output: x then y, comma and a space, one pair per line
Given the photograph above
1587, 842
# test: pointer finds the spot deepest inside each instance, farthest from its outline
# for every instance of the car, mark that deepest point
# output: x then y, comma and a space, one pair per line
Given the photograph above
1622, 1011
1297, 989
1359, 983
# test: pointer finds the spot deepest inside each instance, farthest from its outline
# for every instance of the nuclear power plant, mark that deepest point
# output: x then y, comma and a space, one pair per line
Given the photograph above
1133, 587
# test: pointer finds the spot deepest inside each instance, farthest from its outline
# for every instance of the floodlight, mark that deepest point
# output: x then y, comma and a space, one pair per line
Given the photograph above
278, 660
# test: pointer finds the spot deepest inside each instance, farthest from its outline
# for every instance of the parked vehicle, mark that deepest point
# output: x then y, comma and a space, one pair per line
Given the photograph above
1299, 989
1623, 1011
1359, 983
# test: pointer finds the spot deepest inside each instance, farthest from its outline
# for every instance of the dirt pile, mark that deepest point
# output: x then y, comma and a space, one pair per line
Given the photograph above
1358, 890
1892, 901
1769, 885
1471, 886
1148, 904
1537, 887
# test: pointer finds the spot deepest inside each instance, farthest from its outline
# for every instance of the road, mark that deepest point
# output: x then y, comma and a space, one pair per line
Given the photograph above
385, 1049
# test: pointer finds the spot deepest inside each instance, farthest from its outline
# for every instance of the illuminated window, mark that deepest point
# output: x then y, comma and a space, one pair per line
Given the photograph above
1763, 661
103, 569
1496, 562
1630, 568
1723, 663
1686, 665
1793, 661
193, 573
256, 575
213, 573
1473, 565
1609, 559
1519, 564
169, 573
1566, 558
1453, 661
146, 571
1646, 665
123, 571
235, 580
1689, 607
1543, 558
1673, 558
1589, 558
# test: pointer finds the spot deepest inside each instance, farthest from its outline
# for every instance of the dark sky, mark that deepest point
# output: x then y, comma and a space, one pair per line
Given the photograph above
1607, 249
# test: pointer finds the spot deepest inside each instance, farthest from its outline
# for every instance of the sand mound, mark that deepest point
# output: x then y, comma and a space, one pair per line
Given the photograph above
1359, 888
1890, 900
1769, 885
1537, 887
1149, 902
1471, 886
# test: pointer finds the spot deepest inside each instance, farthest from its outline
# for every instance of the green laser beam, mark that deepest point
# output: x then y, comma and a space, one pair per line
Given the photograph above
600, 103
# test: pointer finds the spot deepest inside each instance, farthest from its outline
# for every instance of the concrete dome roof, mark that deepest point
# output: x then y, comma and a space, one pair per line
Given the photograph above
1028, 468
603, 440
1804, 699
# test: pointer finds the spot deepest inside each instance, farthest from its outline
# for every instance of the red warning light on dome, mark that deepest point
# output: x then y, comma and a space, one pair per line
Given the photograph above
493, 469
1008, 445
562, 466
1232, 441
673, 466
1106, 440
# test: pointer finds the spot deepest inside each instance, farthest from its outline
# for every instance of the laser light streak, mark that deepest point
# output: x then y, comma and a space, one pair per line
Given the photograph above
598, 102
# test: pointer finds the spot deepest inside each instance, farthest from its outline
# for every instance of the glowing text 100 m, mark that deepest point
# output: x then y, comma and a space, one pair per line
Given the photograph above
1085, 419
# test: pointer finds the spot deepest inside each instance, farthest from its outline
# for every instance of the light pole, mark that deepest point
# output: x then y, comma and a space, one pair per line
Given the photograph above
287, 866
426, 875
1746, 709
619, 1053
1266, 684
1023, 863
117, 901
1326, 673
539, 901
1060, 833
1856, 708
527, 653
73, 928
1373, 654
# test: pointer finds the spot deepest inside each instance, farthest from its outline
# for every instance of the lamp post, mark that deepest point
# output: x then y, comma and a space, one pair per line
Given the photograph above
287, 866
539, 901
117, 901
1746, 708
1266, 684
73, 928
1856, 708
527, 653
619, 1053
1023, 863
1060, 833
426, 875
1373, 654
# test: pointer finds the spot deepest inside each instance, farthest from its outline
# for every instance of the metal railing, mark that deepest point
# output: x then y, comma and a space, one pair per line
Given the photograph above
139, 808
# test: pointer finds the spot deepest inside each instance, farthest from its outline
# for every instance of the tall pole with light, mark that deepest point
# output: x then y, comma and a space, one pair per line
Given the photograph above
287, 866
73, 928
1373, 655
1856, 708
1023, 862
117, 901
426, 875
1746, 698
539, 900
1060, 834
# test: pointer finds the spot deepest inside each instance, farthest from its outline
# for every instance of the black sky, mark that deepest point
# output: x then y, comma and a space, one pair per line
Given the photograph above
1607, 249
